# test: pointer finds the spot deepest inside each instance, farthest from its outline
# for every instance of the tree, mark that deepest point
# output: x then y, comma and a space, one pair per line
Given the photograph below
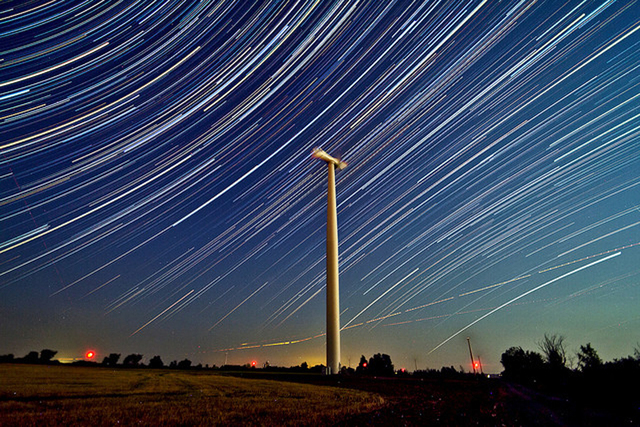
46, 355
522, 366
156, 362
184, 364
132, 360
362, 366
31, 357
347, 371
111, 360
588, 358
380, 364
7, 358
450, 372
552, 346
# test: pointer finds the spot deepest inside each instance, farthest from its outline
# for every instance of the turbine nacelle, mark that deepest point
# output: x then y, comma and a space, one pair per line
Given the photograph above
319, 153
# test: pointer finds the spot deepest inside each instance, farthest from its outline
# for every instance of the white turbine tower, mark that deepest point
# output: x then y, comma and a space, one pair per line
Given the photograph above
333, 289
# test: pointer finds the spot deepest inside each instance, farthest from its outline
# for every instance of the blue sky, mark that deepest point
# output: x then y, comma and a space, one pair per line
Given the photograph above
158, 194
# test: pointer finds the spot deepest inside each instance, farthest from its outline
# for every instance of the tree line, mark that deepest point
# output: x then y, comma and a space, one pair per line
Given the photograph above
46, 356
378, 365
583, 378
134, 360
553, 366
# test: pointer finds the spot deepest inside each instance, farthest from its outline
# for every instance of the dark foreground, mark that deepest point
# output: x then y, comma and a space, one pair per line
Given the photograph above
472, 401
481, 402
67, 395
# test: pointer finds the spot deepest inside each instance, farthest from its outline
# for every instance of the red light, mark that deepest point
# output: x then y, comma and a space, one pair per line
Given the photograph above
364, 365
90, 354
254, 363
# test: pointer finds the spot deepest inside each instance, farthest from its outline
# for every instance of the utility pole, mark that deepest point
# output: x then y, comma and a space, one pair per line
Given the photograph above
473, 365
333, 290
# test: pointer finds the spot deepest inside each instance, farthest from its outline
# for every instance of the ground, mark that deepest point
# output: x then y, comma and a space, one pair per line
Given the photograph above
55, 395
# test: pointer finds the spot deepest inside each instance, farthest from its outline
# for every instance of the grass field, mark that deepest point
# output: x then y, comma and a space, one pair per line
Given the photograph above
69, 395
43, 395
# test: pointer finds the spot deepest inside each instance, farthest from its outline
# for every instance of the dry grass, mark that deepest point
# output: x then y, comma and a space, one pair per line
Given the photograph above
55, 395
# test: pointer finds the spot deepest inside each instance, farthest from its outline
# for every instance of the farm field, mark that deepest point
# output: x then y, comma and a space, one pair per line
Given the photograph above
70, 395
45, 395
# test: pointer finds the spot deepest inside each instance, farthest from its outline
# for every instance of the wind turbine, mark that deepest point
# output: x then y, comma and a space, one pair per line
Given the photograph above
333, 289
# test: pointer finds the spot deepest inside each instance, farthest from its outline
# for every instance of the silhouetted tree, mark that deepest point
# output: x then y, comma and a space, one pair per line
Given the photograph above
588, 358
362, 366
449, 372
46, 355
132, 360
156, 362
552, 346
7, 358
111, 360
347, 371
522, 366
317, 368
304, 366
184, 364
380, 364
31, 357
173, 364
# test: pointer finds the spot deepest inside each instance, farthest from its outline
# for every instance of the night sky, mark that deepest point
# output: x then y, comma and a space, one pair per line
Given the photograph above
158, 194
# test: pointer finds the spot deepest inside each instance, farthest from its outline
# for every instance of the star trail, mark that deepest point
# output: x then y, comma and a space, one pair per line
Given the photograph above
158, 195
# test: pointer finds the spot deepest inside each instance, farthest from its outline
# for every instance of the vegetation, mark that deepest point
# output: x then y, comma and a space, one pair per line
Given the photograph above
132, 360
75, 395
156, 362
45, 356
378, 365
594, 383
551, 383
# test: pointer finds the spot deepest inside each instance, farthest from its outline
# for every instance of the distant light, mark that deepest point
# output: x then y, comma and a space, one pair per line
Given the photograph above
90, 354
254, 363
364, 365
